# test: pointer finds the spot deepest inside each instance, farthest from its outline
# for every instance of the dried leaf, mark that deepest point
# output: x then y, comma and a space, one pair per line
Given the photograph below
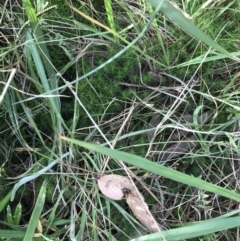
39, 226
112, 186
115, 187
141, 211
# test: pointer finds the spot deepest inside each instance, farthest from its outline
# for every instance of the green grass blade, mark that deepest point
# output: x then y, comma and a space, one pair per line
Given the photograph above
32, 16
82, 225
158, 169
199, 229
72, 224
17, 214
12, 234
36, 212
5, 201
109, 11
9, 215
169, 10
54, 209
43, 62
160, 38
199, 59
40, 67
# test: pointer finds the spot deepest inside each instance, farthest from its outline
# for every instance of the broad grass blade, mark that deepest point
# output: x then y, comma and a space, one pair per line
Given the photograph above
12, 234
196, 230
158, 169
5, 201
36, 212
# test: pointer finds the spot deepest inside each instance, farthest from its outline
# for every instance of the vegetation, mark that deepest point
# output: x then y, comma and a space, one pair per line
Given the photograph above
144, 89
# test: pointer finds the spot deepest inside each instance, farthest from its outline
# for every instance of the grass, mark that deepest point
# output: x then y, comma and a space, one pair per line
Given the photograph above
143, 89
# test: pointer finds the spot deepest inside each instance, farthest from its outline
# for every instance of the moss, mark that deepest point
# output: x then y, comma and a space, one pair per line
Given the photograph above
104, 86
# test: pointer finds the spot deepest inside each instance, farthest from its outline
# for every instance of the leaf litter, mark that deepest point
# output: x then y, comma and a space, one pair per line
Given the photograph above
117, 187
